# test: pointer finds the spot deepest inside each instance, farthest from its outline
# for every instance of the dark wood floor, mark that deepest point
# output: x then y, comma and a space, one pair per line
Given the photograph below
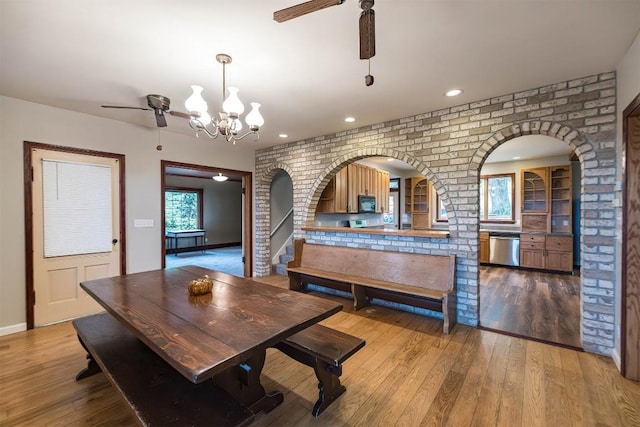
408, 374
543, 306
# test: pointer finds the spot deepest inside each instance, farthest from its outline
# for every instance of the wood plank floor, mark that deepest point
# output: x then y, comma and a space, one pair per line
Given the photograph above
408, 374
544, 306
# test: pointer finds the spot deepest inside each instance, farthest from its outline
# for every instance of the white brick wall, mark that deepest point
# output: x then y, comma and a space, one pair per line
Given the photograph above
449, 147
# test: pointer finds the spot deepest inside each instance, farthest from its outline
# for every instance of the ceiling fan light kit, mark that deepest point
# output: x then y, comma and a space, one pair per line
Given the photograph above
229, 124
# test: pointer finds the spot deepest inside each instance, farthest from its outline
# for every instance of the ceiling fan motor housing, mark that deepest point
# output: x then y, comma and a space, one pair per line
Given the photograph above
158, 102
366, 4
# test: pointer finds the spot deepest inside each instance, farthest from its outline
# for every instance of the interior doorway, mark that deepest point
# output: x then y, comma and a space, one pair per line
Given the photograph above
630, 300
214, 229
74, 228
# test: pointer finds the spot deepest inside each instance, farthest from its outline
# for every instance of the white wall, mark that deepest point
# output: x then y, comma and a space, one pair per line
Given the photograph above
21, 120
628, 78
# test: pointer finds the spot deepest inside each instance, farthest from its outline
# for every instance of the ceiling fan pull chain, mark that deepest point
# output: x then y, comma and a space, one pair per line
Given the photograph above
368, 79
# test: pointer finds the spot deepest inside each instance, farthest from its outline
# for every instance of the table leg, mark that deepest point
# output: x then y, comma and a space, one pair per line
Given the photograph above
242, 382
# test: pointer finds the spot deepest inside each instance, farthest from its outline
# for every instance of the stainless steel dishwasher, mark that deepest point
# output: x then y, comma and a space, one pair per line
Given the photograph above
504, 249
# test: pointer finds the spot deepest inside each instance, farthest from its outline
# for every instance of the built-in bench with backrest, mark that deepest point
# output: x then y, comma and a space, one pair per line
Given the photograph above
426, 281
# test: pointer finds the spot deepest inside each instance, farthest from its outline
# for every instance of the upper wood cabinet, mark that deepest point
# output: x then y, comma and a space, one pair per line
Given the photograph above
341, 193
419, 202
547, 199
561, 199
535, 199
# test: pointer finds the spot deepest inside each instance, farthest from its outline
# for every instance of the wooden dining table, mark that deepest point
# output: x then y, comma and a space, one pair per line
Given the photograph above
222, 336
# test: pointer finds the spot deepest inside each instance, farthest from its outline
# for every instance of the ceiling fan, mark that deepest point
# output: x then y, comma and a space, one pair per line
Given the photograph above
367, 20
159, 105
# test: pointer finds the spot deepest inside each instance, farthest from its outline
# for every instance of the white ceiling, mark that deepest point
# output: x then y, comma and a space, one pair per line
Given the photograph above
79, 54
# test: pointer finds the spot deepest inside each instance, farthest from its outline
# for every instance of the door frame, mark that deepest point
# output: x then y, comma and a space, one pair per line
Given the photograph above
627, 331
247, 206
28, 146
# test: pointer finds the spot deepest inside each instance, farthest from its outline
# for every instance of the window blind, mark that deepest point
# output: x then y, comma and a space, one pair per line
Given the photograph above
77, 208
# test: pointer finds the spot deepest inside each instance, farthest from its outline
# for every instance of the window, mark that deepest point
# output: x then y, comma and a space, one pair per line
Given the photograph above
441, 212
183, 209
497, 198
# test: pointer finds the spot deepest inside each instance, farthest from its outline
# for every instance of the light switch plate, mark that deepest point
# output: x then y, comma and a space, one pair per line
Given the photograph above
143, 223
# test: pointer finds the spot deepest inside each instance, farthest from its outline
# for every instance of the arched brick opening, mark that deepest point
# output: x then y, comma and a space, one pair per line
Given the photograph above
573, 138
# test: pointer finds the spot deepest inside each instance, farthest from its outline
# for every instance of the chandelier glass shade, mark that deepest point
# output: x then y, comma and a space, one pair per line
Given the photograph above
228, 124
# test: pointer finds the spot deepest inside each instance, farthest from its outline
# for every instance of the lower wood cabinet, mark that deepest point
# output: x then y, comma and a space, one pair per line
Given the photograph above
546, 251
484, 247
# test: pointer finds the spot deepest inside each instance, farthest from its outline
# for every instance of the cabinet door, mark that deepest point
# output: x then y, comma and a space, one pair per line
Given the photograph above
561, 199
327, 202
419, 195
535, 194
560, 261
384, 190
532, 258
484, 247
352, 188
341, 191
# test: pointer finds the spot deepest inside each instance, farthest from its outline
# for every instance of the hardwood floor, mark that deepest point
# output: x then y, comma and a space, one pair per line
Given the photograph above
408, 374
534, 304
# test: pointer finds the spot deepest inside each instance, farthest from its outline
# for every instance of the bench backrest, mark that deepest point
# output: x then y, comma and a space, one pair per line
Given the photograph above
435, 272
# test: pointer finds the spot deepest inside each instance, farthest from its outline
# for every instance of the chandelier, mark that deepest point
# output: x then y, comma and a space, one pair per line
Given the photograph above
229, 124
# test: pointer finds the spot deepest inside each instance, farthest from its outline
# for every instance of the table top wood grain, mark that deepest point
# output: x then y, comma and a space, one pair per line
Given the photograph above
205, 335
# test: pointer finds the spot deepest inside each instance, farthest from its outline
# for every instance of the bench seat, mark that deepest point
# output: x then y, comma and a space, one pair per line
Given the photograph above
426, 281
324, 349
157, 394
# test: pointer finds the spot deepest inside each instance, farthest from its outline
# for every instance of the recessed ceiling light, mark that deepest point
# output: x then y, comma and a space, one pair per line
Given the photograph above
516, 157
283, 135
349, 119
453, 92
390, 160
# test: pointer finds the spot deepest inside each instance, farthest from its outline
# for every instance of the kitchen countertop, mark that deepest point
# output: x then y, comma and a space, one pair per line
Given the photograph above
436, 234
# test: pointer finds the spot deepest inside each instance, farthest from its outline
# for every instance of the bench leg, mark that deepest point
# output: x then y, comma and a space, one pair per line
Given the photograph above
329, 386
449, 312
295, 282
92, 367
359, 296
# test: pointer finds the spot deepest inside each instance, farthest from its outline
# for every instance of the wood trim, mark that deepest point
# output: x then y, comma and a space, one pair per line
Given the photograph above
630, 292
484, 199
28, 146
247, 211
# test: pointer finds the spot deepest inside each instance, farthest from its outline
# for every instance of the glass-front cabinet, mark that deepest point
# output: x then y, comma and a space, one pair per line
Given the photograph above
535, 199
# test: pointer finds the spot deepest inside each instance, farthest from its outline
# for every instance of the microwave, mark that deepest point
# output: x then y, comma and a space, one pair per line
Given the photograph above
366, 204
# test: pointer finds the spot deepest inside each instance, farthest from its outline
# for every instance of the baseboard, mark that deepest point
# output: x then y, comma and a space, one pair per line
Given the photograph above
12, 329
616, 359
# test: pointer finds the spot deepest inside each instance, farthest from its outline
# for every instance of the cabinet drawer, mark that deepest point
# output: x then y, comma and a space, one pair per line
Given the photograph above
559, 243
537, 238
532, 245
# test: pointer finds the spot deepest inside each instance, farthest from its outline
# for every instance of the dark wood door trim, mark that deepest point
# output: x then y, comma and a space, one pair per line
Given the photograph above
247, 209
630, 278
28, 146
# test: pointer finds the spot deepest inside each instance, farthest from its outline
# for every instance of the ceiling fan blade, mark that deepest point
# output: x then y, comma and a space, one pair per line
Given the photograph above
161, 120
367, 34
180, 114
303, 9
126, 108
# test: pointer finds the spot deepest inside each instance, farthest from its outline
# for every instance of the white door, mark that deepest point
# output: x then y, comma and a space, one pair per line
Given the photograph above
76, 224
394, 208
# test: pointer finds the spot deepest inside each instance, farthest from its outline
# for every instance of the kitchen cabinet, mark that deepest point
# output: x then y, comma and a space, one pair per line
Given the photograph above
534, 199
546, 251
420, 203
484, 247
546, 199
561, 199
341, 193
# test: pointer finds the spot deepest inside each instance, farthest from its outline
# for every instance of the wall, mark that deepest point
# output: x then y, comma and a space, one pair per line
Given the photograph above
221, 208
628, 87
449, 147
21, 120
281, 203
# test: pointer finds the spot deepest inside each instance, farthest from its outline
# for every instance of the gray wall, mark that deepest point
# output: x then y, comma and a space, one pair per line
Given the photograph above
449, 147
143, 176
281, 203
221, 209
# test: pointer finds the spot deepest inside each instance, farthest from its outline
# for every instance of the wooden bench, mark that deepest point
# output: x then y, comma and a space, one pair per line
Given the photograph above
157, 394
426, 281
324, 349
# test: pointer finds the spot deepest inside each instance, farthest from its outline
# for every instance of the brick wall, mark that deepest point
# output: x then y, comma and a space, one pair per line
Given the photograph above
449, 147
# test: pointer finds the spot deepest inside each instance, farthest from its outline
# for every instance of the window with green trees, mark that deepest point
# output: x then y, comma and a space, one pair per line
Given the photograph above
497, 197
183, 209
